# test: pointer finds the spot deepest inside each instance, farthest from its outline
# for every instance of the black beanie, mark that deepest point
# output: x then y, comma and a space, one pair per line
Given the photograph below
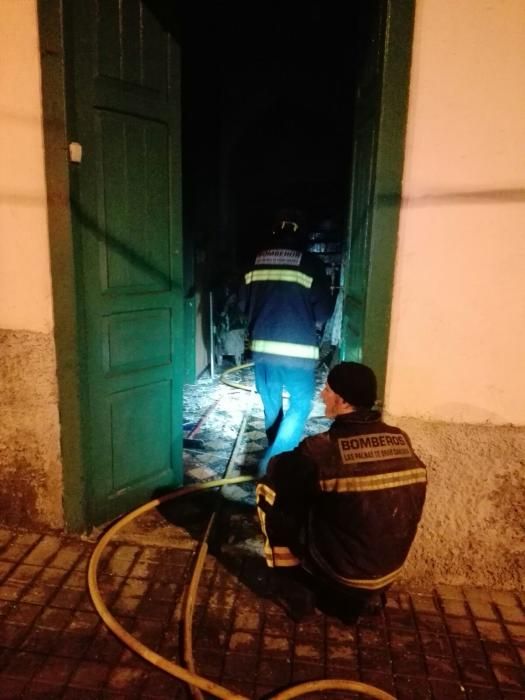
355, 383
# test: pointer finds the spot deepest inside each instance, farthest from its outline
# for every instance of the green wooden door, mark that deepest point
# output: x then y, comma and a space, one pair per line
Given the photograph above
122, 91
378, 148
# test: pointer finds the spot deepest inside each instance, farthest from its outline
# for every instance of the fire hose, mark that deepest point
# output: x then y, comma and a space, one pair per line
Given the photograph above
189, 675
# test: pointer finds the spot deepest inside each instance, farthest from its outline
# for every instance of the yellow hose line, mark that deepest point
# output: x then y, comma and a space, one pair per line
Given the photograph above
189, 677
190, 604
128, 639
199, 565
332, 684
236, 385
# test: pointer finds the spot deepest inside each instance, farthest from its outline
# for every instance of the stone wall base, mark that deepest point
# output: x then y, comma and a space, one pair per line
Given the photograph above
472, 531
30, 462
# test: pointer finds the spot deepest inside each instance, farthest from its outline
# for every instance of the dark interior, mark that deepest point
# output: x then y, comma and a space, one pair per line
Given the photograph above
267, 98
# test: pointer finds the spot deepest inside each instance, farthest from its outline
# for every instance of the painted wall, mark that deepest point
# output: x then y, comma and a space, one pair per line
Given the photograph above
458, 331
25, 298
30, 468
456, 374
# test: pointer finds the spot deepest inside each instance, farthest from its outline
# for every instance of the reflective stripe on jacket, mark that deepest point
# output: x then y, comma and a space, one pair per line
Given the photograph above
274, 347
285, 297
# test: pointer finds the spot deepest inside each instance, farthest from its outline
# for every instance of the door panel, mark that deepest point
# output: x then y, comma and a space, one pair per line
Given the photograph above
359, 238
123, 98
130, 44
136, 341
135, 253
141, 434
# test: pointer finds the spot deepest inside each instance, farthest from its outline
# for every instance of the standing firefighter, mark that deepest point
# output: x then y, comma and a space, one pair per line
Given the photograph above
340, 512
286, 298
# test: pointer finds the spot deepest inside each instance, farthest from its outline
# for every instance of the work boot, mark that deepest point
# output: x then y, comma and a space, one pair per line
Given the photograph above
351, 608
333, 605
292, 593
374, 604
350, 604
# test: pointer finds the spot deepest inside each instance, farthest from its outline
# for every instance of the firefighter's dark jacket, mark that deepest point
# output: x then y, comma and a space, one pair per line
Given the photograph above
284, 296
357, 490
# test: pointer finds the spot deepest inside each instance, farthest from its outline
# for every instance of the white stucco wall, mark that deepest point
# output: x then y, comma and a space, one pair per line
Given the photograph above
25, 278
457, 344
30, 458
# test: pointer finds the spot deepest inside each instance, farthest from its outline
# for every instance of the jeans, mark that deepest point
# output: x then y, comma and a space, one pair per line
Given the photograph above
284, 430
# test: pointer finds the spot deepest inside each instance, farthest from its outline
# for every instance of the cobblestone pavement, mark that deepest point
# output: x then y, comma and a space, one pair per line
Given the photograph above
445, 643
442, 644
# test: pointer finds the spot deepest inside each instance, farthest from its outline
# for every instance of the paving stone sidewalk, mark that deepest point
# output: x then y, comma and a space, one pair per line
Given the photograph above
444, 644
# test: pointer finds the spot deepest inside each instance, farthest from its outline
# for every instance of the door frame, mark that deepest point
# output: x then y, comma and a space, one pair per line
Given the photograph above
387, 183
69, 328
68, 324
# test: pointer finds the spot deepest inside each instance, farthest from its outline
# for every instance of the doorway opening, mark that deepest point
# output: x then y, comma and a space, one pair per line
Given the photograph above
268, 101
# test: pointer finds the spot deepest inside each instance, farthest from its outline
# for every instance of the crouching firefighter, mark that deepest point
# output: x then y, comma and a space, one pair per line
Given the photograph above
340, 512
